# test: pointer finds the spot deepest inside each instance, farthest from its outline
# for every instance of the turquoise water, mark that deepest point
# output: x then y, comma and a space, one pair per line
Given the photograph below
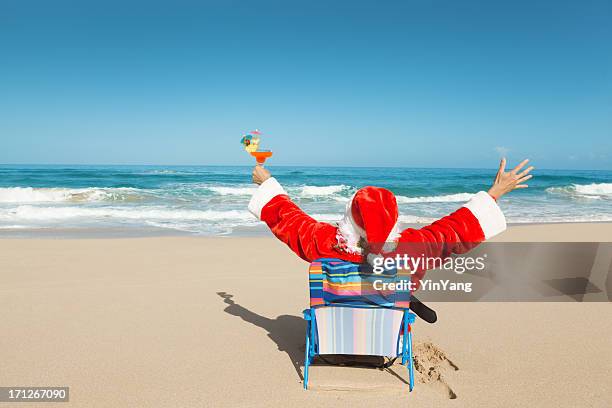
212, 200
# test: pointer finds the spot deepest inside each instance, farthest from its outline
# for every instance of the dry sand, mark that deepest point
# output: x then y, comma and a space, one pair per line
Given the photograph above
140, 323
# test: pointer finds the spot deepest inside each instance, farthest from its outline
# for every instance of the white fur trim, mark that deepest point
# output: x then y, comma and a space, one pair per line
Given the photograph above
390, 244
262, 196
349, 231
487, 212
391, 241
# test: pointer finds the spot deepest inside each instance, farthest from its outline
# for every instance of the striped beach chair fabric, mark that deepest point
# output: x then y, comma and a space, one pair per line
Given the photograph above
352, 312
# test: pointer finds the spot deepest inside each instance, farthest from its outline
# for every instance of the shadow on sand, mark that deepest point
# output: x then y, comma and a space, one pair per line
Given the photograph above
286, 331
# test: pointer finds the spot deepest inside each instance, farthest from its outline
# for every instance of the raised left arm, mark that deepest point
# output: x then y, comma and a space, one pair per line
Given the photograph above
307, 237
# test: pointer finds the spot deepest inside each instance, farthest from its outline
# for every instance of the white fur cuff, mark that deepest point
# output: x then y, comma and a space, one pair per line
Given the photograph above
488, 214
262, 196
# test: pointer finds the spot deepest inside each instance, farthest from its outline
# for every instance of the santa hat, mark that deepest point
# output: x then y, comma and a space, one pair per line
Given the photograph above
371, 214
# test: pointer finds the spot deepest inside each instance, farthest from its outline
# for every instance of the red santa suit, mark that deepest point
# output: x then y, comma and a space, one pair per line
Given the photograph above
369, 227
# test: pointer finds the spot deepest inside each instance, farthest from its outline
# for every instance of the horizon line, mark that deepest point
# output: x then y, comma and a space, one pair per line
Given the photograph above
282, 165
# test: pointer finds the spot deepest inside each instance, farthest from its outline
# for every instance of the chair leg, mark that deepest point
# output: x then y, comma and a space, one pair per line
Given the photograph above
410, 362
307, 357
404, 339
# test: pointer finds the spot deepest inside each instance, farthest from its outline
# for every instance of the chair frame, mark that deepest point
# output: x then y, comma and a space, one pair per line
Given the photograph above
312, 347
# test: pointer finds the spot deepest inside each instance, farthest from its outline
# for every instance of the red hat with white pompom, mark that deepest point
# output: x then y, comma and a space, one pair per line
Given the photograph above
371, 215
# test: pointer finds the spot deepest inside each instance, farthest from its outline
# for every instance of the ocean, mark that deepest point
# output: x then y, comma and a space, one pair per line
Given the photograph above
212, 200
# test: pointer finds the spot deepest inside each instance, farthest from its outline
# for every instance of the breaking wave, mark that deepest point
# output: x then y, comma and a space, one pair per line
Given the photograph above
404, 219
310, 191
301, 191
241, 191
449, 198
30, 212
594, 190
39, 195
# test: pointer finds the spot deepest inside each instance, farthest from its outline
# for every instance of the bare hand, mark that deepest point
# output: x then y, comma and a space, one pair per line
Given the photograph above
506, 182
260, 174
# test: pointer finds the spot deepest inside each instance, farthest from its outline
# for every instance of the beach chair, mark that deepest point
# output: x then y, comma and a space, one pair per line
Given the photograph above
350, 313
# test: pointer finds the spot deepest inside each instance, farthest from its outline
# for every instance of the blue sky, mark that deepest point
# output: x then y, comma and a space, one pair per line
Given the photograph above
409, 83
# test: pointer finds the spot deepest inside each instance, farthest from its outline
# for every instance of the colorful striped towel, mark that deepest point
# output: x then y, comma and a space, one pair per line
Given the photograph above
337, 282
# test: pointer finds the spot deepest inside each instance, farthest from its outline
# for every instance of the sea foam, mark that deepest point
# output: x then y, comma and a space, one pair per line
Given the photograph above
240, 191
31, 212
38, 195
310, 191
460, 197
594, 190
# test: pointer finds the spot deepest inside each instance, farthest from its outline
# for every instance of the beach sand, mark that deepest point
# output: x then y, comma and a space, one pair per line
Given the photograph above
216, 322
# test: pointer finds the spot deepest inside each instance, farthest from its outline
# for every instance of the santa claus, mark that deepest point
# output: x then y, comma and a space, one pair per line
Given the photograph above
370, 229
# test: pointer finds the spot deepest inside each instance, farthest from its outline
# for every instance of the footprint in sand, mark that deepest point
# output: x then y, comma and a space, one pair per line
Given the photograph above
430, 363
